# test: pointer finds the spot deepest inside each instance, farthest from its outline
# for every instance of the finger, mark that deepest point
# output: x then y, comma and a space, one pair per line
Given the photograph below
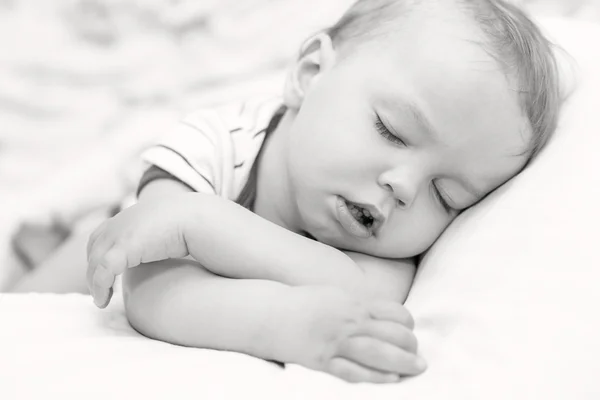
101, 288
103, 278
113, 263
100, 247
94, 259
94, 237
391, 332
391, 311
382, 356
89, 278
355, 373
115, 260
102, 297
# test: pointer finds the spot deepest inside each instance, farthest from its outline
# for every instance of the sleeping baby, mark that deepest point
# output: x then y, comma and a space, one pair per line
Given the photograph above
288, 228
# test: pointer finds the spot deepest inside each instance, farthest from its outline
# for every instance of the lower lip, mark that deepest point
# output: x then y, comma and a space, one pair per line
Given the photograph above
348, 222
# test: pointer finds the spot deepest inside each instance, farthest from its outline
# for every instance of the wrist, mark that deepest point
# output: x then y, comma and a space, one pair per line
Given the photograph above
199, 215
309, 323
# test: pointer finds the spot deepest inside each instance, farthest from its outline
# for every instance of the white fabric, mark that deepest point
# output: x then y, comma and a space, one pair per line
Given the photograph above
62, 347
212, 150
506, 303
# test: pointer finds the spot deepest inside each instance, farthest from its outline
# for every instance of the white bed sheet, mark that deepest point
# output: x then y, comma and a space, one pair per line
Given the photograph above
62, 346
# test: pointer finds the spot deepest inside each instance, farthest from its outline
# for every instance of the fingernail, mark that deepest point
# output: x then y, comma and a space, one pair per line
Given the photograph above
99, 302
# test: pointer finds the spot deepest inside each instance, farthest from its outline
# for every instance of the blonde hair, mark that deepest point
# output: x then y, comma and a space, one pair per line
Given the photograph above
510, 37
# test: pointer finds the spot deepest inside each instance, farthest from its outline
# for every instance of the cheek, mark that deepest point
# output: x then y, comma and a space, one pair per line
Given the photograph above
415, 231
331, 146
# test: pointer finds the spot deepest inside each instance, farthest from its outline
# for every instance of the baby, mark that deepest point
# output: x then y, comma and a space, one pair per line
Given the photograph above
288, 228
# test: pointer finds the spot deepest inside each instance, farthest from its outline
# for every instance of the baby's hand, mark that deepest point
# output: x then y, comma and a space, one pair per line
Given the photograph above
358, 342
148, 231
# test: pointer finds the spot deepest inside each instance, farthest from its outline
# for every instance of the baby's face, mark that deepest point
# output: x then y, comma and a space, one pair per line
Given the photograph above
406, 132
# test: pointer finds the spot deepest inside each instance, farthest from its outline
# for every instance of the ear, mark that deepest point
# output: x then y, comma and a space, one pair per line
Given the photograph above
316, 56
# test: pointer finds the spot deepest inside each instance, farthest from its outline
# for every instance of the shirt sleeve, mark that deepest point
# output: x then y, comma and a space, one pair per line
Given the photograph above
196, 152
154, 173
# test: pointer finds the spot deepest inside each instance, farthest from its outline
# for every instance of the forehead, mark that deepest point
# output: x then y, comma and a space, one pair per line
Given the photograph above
438, 66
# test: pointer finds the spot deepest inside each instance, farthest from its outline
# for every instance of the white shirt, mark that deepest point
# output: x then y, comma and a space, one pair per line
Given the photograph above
213, 150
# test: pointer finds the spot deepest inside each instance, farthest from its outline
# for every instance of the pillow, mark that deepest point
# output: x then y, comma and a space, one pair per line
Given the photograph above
506, 302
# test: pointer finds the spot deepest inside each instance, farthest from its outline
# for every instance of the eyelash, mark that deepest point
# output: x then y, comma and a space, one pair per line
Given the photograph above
385, 132
440, 199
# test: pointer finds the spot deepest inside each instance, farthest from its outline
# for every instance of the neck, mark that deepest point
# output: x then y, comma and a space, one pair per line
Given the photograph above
274, 194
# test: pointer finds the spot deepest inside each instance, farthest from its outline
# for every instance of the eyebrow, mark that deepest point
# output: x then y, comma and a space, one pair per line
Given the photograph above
425, 123
417, 114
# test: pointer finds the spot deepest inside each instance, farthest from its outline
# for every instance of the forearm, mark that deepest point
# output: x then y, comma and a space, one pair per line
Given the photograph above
232, 241
241, 244
263, 250
179, 302
386, 278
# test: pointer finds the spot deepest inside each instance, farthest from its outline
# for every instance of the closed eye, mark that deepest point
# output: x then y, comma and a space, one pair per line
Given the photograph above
440, 198
385, 132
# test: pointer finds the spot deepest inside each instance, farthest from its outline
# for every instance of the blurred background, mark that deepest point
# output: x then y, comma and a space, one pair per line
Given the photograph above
86, 84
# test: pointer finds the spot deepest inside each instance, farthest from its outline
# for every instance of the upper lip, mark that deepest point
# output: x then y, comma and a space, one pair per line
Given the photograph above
376, 213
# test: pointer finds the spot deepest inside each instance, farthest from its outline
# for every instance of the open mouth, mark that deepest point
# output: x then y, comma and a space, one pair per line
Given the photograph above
358, 219
362, 215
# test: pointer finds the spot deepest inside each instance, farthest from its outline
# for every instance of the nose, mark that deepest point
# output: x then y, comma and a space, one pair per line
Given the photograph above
402, 183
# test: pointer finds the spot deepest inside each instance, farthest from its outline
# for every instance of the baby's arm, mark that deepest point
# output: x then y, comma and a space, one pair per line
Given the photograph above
264, 250
230, 241
224, 237
385, 278
319, 327
180, 302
